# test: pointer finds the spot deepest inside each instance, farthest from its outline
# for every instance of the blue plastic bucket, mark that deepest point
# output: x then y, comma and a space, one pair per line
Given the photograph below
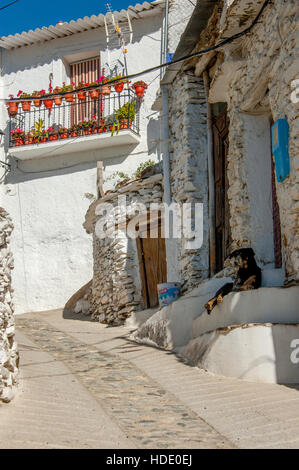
168, 293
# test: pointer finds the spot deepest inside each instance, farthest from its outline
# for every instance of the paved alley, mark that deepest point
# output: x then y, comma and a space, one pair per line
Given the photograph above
84, 385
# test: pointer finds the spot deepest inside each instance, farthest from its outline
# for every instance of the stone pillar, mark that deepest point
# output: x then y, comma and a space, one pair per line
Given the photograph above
9, 357
189, 167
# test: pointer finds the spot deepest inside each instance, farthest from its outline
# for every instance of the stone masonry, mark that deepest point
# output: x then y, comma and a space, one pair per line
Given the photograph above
116, 286
269, 59
9, 358
189, 178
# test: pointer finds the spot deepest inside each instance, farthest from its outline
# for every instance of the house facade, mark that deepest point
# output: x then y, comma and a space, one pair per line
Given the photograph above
227, 108
46, 186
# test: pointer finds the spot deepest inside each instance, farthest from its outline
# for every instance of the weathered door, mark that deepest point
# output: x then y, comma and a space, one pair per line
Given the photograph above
222, 225
152, 263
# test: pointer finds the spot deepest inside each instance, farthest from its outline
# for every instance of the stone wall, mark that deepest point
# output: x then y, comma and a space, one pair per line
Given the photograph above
116, 286
189, 177
8, 348
263, 84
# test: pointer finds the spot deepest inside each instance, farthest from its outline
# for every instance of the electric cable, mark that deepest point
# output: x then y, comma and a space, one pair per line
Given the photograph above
166, 64
8, 5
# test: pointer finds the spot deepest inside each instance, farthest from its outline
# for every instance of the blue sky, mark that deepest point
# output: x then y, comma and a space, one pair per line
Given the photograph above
31, 14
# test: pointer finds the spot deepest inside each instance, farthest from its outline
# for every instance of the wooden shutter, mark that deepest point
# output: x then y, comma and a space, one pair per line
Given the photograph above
87, 71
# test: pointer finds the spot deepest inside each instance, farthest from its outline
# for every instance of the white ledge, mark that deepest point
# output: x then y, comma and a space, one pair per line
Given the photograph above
74, 144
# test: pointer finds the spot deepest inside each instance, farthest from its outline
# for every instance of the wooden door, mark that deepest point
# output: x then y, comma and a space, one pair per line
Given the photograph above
152, 263
222, 215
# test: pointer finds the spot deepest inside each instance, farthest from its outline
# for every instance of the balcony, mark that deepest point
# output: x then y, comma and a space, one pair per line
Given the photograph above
80, 121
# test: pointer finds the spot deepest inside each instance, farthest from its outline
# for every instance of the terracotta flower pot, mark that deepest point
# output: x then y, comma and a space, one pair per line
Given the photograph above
12, 108
119, 87
106, 90
28, 140
74, 134
139, 90
53, 137
69, 98
26, 105
58, 100
125, 124
37, 103
82, 95
94, 94
48, 104
43, 139
63, 135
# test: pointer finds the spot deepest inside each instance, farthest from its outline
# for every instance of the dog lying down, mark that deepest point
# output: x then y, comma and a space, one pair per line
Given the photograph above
248, 276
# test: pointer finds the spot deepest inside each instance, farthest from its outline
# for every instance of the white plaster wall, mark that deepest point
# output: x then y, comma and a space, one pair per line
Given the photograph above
257, 160
260, 353
53, 253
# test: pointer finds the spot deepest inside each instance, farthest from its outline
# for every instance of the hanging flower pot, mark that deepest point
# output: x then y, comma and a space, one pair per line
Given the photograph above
69, 98
94, 94
139, 88
12, 107
48, 104
57, 100
119, 87
106, 90
26, 105
37, 103
82, 95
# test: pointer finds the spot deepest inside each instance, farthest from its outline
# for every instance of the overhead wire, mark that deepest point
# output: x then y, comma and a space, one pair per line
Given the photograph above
222, 43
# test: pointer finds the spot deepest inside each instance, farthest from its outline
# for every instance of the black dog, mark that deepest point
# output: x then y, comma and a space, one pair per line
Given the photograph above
248, 276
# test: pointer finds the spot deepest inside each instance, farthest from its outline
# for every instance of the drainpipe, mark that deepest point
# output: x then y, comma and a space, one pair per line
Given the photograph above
212, 238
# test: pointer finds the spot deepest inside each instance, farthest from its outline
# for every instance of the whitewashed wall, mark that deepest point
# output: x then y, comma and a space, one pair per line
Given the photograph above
53, 254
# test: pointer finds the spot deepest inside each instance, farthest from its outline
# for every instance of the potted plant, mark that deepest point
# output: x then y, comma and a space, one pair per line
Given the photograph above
139, 88
85, 126
119, 85
36, 95
26, 104
12, 106
52, 133
63, 133
105, 89
94, 93
126, 114
28, 138
38, 132
81, 94
66, 89
17, 137
57, 98
74, 130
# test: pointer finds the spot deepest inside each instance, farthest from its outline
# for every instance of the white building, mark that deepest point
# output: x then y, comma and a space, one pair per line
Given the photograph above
44, 188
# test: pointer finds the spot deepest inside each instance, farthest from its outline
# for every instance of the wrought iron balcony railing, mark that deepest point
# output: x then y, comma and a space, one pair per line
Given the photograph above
83, 116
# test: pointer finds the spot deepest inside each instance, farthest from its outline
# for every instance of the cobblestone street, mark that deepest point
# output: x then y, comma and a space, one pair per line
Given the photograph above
85, 385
